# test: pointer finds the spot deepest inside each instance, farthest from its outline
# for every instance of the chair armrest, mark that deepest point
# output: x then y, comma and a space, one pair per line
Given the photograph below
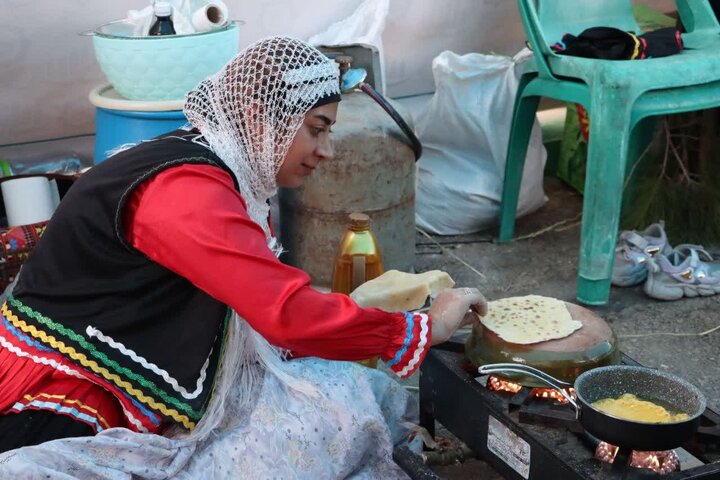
697, 15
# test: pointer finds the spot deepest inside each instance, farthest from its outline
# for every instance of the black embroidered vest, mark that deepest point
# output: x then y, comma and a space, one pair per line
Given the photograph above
86, 293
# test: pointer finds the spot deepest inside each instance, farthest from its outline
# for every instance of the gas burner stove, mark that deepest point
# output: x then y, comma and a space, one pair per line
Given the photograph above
525, 436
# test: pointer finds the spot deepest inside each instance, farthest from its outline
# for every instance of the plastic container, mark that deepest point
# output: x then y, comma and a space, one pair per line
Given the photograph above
161, 67
119, 121
163, 24
358, 258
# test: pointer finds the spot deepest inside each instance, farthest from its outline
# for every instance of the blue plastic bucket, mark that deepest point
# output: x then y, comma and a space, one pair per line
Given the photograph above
119, 121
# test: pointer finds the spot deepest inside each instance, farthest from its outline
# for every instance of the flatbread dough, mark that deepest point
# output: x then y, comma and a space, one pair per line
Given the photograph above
396, 291
529, 319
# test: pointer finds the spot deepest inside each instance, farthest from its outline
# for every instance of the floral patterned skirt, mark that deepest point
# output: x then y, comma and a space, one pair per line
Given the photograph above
348, 432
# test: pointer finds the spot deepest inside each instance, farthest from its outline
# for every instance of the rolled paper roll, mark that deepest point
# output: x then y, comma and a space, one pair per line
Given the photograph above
211, 15
27, 200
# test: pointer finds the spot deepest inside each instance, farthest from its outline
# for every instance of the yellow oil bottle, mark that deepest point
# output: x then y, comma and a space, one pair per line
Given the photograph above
358, 260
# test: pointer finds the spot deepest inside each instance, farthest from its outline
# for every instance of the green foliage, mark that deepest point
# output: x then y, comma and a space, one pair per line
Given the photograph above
678, 181
573, 152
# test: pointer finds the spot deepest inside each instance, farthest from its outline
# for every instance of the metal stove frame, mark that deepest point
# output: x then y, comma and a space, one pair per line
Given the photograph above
545, 448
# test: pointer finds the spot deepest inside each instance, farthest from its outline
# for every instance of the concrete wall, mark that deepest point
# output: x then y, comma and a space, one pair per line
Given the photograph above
47, 69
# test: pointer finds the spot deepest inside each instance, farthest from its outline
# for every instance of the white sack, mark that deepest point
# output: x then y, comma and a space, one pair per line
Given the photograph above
464, 132
364, 26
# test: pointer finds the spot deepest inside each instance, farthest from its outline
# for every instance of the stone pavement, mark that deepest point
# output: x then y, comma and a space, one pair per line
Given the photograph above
543, 261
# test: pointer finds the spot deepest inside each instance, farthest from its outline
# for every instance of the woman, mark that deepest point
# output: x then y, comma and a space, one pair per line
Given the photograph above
155, 302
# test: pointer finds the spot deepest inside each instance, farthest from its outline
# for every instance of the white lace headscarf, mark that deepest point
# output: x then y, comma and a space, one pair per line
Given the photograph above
250, 111
248, 114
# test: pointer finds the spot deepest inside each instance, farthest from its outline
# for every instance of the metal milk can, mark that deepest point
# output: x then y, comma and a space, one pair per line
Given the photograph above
373, 172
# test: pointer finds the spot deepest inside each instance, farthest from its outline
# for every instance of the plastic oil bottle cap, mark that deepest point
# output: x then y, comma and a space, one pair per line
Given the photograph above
163, 9
359, 221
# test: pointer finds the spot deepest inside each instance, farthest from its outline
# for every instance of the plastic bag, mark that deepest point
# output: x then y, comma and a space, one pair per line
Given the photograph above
61, 165
464, 131
364, 26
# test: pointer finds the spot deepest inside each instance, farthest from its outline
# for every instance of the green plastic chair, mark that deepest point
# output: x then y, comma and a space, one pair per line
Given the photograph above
618, 96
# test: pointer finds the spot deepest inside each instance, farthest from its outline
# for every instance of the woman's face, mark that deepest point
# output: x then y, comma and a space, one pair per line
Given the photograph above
310, 146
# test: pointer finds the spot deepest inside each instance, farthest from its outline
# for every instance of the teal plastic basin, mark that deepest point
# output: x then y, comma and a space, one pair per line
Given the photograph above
161, 68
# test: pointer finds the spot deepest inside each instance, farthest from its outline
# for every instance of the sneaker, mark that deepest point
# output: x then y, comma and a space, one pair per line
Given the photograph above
633, 251
687, 272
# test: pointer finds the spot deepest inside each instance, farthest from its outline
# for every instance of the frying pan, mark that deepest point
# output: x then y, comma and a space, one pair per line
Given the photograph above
665, 389
594, 345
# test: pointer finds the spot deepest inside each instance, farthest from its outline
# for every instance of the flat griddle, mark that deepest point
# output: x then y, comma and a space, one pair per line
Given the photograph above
593, 345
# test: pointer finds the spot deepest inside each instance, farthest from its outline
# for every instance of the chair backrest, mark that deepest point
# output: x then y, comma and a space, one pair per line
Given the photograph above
698, 16
558, 17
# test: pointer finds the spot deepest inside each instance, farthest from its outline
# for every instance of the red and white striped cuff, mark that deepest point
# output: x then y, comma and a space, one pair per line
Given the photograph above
417, 341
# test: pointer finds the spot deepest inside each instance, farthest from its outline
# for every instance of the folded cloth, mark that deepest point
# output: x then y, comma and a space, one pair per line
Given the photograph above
610, 43
16, 243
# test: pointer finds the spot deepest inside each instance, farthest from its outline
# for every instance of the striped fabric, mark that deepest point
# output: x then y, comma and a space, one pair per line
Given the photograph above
96, 366
63, 405
35, 377
416, 344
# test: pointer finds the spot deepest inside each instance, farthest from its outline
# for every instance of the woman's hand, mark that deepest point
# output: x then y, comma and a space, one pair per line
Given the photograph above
455, 308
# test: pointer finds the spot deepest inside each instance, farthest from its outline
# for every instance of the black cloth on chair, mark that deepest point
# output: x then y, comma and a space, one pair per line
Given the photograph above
610, 43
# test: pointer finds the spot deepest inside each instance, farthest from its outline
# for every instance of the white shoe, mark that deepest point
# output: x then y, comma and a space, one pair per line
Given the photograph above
687, 272
633, 251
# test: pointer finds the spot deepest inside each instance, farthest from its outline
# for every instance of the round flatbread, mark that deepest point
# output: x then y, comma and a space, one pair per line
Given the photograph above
529, 319
396, 291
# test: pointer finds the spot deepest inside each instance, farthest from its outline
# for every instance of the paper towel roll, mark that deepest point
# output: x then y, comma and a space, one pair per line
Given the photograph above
54, 193
211, 15
27, 200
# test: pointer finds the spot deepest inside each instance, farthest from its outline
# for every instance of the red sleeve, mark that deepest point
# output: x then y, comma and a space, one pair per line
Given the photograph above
191, 220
